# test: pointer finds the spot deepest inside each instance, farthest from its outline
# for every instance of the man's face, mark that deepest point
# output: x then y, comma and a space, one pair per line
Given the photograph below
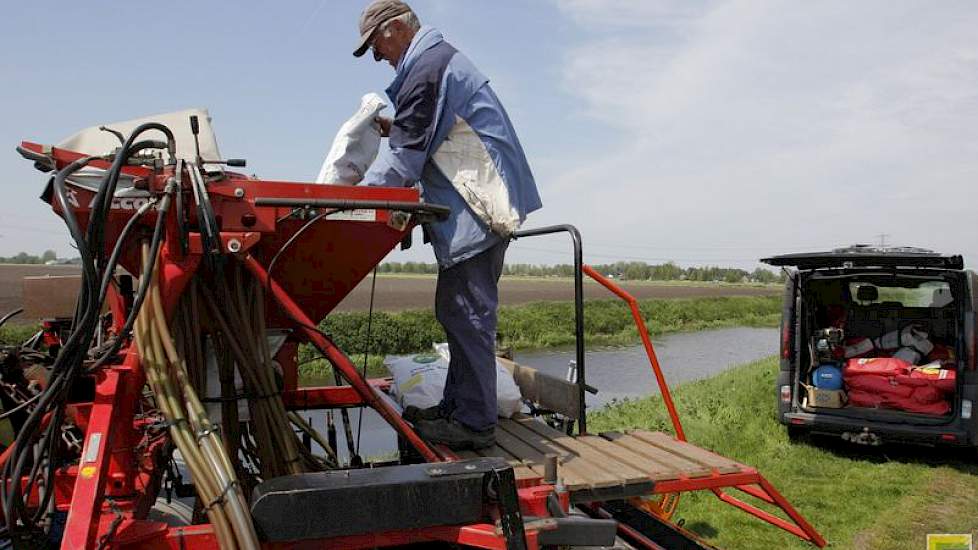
389, 45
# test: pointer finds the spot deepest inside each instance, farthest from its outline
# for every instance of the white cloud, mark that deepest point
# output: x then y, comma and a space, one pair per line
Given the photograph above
754, 124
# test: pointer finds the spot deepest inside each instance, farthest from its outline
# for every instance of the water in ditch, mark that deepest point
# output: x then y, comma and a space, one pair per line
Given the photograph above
617, 373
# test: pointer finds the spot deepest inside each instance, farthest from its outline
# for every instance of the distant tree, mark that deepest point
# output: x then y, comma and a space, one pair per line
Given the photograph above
49, 255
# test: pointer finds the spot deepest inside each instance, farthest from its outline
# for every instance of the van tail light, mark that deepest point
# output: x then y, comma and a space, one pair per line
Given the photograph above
786, 395
966, 409
949, 437
786, 339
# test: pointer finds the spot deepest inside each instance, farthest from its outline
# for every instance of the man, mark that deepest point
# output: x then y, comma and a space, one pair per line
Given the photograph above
451, 134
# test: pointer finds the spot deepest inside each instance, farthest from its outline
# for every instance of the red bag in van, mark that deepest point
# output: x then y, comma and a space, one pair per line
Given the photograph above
859, 398
875, 366
942, 379
883, 385
927, 395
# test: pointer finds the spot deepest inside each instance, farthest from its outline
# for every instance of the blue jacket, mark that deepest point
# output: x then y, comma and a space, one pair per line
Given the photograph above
451, 133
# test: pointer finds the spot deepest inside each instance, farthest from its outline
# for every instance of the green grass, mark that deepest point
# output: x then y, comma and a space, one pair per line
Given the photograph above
547, 324
874, 499
11, 335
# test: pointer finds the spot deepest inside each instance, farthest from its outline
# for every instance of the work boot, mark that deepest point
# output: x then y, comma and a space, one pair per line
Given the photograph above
412, 414
455, 435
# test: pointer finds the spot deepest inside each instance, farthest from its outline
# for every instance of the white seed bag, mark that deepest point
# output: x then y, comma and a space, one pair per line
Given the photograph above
419, 380
355, 145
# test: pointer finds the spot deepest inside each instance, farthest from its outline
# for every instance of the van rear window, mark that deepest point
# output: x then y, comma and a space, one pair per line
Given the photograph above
926, 294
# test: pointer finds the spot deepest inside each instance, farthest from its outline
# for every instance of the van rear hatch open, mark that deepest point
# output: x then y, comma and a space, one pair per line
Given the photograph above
868, 256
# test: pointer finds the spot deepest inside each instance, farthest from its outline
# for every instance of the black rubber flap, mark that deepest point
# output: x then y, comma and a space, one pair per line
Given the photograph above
352, 502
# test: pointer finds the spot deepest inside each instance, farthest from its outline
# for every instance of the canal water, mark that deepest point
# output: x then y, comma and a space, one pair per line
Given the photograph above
617, 373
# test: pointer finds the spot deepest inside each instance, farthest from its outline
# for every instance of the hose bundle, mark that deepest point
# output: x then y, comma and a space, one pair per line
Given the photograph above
191, 429
231, 302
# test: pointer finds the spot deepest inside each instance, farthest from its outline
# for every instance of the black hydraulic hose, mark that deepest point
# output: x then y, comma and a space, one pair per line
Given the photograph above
118, 135
145, 144
9, 316
366, 350
71, 355
50, 442
271, 265
20, 407
117, 250
103, 199
89, 275
137, 304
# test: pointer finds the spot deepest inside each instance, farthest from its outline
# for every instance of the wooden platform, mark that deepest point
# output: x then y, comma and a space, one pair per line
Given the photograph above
606, 466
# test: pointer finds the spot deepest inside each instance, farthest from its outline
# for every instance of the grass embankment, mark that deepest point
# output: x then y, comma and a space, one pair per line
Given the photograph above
858, 498
540, 325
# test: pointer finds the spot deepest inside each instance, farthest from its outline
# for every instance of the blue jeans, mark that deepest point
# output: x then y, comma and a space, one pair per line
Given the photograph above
466, 300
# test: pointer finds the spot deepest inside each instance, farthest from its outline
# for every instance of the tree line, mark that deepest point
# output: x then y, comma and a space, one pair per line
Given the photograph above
629, 271
25, 258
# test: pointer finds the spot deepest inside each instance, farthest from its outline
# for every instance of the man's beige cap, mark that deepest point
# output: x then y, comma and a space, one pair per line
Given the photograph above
373, 15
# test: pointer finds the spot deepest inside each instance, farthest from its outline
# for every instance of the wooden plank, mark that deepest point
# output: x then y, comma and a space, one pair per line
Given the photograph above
547, 391
530, 454
688, 451
505, 429
520, 470
670, 460
593, 473
655, 470
606, 462
535, 455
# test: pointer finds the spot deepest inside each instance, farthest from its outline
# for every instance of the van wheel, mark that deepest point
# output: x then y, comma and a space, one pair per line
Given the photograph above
796, 434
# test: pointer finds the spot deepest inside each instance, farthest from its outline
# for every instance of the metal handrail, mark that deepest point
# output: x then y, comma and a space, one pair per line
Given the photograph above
578, 306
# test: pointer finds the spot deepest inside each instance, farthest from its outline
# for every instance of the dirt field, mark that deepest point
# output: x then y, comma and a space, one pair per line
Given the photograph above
408, 292
396, 293
12, 285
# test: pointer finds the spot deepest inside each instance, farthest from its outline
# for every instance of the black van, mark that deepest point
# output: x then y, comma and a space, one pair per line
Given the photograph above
856, 308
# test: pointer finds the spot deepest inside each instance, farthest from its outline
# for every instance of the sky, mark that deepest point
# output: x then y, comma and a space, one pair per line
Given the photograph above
700, 132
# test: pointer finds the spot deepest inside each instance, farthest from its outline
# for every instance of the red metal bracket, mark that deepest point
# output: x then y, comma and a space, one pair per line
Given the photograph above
340, 361
328, 397
643, 333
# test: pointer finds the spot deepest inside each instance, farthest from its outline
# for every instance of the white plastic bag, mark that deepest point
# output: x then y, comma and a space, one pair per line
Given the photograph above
419, 380
355, 146
509, 400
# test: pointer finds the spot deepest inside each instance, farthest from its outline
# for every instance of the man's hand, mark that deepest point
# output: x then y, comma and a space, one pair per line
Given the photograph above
385, 125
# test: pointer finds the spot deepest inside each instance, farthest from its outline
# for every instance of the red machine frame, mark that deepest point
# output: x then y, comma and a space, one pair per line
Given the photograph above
118, 476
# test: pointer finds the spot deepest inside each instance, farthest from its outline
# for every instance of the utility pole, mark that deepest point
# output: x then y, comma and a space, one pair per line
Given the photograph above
883, 237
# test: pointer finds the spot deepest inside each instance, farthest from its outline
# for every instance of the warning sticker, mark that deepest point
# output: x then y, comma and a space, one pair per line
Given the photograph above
358, 215
91, 451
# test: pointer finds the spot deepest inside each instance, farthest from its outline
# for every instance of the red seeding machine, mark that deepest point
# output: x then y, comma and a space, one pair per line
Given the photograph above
177, 379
